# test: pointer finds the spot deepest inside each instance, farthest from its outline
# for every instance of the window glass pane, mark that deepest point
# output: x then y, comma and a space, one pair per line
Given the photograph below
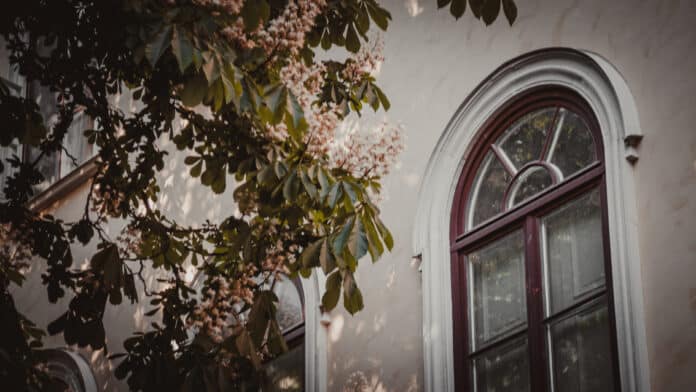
573, 252
76, 144
497, 284
48, 166
581, 351
529, 183
486, 198
285, 373
289, 312
503, 369
5, 154
573, 147
524, 140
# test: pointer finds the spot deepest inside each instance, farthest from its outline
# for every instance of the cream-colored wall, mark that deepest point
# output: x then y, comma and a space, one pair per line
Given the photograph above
432, 63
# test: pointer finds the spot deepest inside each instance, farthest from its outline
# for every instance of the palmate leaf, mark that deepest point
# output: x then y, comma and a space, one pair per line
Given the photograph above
333, 290
510, 10
310, 255
357, 241
352, 297
458, 8
158, 44
182, 49
490, 11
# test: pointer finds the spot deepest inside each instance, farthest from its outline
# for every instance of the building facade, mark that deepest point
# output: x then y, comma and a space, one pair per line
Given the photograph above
543, 213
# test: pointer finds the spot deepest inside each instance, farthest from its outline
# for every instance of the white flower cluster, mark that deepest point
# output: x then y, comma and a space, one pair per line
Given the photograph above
356, 382
14, 250
130, 240
230, 6
106, 203
366, 151
213, 314
358, 148
367, 61
288, 31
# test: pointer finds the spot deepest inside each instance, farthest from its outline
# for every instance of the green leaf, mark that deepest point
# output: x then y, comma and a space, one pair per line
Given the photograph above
308, 185
442, 3
335, 194
276, 98
266, 175
326, 258
490, 11
291, 187
458, 8
333, 290
190, 160
310, 255
194, 91
254, 13
386, 235
219, 184
357, 242
323, 182
341, 239
510, 10
182, 49
280, 169
196, 169
476, 6
352, 40
352, 297
375, 246
379, 15
159, 43
362, 21
109, 263
382, 97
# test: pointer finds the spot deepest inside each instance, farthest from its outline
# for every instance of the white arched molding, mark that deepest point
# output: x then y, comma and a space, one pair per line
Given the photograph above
315, 333
601, 85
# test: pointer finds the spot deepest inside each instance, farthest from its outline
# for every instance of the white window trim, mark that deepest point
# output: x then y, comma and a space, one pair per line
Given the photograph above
601, 85
315, 334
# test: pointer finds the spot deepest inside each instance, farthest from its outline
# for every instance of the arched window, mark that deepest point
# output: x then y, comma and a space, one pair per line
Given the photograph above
531, 271
69, 370
287, 372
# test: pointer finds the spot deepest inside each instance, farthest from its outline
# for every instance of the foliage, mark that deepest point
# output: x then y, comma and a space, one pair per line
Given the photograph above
225, 70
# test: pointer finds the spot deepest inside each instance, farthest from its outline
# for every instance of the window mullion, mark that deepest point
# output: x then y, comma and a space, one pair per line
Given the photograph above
535, 311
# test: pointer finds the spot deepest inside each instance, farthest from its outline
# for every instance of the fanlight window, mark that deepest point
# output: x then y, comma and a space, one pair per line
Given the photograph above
536, 152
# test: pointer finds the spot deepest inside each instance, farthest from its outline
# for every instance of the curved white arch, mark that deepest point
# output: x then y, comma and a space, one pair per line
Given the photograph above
601, 85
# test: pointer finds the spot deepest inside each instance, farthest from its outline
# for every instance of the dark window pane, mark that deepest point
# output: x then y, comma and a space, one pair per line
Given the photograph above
573, 147
503, 369
524, 140
289, 313
497, 279
486, 198
529, 183
48, 166
285, 373
573, 253
581, 351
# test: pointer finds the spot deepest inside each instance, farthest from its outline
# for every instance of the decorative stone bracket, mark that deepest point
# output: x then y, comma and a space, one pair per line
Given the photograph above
631, 142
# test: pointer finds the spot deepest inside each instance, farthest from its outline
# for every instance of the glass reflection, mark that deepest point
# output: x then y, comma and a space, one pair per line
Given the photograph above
497, 276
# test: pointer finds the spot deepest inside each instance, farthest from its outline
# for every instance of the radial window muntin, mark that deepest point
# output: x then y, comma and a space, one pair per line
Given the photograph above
559, 108
529, 216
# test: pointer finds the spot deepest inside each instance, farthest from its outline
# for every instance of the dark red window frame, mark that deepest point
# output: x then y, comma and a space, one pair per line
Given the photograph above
525, 216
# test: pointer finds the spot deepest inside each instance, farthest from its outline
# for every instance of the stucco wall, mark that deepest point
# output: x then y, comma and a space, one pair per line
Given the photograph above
432, 63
